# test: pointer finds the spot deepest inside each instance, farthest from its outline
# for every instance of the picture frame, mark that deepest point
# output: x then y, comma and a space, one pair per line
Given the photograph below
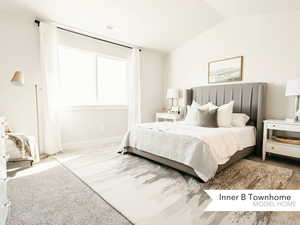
225, 70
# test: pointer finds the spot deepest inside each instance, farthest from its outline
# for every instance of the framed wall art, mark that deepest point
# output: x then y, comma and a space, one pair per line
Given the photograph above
225, 70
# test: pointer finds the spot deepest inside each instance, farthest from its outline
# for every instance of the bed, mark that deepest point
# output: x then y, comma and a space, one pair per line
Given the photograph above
198, 151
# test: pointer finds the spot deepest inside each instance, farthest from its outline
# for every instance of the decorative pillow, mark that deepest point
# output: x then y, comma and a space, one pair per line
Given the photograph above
208, 118
195, 104
239, 119
192, 117
224, 115
208, 106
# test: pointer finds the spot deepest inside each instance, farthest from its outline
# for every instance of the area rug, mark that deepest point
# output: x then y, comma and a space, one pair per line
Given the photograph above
150, 194
49, 194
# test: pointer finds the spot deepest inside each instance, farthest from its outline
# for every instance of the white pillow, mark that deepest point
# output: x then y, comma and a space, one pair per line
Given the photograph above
224, 116
209, 106
192, 117
239, 119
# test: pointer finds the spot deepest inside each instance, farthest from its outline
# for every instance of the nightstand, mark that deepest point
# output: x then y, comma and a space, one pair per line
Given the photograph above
167, 116
279, 148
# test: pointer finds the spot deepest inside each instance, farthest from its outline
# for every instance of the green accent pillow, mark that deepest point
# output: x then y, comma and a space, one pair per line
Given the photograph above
208, 118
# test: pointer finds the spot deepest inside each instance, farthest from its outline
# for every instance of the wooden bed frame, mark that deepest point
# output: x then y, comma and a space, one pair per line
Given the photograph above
249, 98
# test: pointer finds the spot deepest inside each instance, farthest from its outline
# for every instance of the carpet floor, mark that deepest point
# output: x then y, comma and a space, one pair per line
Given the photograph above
49, 194
150, 194
101, 187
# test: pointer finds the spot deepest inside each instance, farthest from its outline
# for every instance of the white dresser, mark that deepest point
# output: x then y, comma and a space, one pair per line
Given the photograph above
4, 203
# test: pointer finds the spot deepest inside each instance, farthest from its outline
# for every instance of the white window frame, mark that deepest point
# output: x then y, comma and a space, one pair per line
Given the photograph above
98, 105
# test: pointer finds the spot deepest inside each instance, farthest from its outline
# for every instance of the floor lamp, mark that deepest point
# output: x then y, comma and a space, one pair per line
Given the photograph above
18, 80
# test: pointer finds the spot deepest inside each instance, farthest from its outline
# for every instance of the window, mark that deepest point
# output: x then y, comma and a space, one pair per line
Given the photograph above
88, 78
112, 81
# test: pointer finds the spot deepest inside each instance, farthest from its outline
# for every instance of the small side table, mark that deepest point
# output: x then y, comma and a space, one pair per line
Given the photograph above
279, 148
167, 116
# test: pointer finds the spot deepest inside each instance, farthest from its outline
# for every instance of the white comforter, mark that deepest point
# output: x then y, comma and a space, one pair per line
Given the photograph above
203, 149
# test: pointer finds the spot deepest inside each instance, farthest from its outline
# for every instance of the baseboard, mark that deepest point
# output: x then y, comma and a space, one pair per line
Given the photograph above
91, 143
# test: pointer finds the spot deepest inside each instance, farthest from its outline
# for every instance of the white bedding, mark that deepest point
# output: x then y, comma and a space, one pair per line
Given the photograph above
201, 148
246, 135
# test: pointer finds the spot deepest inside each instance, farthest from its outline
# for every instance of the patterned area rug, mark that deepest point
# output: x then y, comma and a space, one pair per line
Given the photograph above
150, 194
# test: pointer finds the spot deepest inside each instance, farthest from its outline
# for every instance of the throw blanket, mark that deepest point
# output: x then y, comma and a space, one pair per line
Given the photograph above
203, 149
26, 146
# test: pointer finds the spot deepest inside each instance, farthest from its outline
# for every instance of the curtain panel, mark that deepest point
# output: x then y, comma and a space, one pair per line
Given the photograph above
134, 88
50, 89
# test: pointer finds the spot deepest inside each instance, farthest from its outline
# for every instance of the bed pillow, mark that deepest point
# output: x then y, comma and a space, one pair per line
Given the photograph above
239, 119
192, 117
208, 106
208, 118
224, 115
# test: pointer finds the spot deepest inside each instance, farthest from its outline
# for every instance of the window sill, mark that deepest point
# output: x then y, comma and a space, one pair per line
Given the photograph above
94, 107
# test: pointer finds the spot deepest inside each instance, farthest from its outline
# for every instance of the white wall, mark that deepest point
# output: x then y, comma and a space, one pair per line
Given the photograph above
92, 125
153, 73
268, 42
19, 50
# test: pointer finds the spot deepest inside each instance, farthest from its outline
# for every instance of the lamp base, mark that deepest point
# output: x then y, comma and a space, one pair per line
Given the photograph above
297, 111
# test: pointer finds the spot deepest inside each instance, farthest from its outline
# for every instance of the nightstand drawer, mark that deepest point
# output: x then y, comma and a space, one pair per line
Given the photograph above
3, 191
283, 149
167, 116
284, 127
4, 212
3, 174
2, 146
3, 161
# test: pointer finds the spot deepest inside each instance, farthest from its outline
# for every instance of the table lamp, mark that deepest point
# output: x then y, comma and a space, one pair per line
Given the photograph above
293, 89
172, 94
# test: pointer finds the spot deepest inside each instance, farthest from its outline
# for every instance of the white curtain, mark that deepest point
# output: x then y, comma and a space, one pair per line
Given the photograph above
134, 88
50, 89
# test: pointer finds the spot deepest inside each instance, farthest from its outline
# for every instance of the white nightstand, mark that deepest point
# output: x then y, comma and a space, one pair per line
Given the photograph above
167, 116
272, 146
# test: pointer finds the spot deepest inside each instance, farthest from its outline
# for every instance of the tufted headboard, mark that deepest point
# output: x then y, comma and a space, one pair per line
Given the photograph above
249, 98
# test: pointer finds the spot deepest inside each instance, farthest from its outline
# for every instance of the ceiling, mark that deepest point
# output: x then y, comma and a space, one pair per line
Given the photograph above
156, 24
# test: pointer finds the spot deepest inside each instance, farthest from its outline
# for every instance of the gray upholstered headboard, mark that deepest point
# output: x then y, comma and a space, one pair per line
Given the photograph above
248, 98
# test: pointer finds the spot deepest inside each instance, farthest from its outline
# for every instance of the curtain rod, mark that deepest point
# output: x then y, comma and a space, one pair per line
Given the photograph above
92, 37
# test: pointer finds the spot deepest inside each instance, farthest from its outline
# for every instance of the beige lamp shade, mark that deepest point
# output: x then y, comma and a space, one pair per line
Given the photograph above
292, 88
18, 79
172, 93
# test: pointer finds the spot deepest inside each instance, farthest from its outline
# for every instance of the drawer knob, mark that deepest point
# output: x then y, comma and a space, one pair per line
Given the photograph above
5, 156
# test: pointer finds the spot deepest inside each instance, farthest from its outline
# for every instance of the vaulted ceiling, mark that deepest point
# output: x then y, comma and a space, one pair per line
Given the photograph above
156, 24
